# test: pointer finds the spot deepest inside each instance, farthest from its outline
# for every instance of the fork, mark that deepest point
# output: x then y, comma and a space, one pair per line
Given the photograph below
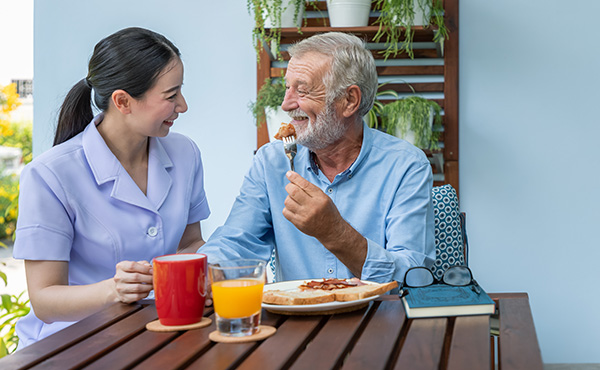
289, 144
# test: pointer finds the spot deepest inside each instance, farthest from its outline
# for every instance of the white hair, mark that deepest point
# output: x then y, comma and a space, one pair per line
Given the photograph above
352, 64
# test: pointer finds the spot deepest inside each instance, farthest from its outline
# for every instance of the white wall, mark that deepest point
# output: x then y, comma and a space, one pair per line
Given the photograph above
529, 170
528, 85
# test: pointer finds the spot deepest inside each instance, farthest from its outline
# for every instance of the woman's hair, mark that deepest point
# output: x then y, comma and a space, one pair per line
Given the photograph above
352, 64
130, 59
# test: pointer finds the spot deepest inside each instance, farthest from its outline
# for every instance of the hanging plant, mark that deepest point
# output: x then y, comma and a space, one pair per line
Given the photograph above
396, 22
271, 10
270, 95
414, 113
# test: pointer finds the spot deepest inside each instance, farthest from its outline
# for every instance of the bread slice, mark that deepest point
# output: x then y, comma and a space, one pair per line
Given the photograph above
282, 297
363, 291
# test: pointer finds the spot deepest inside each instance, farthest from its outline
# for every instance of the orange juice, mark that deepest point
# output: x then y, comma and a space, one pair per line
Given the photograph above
237, 298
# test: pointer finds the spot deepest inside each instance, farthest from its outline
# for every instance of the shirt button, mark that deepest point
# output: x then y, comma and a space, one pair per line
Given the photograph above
152, 231
330, 190
330, 271
350, 176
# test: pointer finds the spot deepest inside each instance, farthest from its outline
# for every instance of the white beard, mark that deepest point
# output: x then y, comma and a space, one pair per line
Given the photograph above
325, 130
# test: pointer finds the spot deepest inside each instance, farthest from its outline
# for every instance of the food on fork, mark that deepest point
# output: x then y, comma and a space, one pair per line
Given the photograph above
286, 130
351, 290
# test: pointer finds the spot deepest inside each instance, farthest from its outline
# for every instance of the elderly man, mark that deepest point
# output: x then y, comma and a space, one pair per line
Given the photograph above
359, 203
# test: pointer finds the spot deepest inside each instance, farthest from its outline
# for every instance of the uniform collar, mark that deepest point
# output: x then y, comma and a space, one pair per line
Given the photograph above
106, 168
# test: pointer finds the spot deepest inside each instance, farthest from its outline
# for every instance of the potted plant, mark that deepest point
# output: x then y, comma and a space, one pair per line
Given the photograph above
415, 119
268, 105
398, 17
348, 13
270, 16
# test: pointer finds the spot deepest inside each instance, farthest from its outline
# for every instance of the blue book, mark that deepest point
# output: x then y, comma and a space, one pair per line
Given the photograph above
445, 300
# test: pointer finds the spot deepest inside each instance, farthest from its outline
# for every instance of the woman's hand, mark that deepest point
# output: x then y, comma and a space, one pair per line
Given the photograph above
132, 281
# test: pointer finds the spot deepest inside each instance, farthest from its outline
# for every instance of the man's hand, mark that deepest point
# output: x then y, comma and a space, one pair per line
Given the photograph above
311, 210
315, 214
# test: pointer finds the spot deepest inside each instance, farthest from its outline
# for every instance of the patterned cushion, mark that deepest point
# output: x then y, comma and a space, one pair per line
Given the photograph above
449, 244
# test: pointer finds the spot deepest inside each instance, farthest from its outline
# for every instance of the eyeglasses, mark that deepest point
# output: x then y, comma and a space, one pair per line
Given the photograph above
418, 277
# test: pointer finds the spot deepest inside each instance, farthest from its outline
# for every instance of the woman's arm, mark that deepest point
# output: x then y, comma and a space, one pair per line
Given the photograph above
53, 299
191, 239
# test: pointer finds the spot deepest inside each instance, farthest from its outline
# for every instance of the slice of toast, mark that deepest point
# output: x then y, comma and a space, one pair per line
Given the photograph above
282, 297
363, 291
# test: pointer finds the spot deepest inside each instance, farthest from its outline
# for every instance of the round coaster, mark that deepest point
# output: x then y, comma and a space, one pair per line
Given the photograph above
264, 332
157, 326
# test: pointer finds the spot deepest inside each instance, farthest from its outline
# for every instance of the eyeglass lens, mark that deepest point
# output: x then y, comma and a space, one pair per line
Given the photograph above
457, 276
418, 277
421, 276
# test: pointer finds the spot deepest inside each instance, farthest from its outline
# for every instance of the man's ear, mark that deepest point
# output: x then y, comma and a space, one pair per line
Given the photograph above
122, 101
352, 100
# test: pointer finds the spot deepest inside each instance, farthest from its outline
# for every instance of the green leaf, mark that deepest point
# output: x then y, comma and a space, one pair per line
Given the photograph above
3, 349
4, 278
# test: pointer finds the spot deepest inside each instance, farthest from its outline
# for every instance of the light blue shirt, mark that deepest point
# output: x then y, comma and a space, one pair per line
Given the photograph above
77, 203
385, 195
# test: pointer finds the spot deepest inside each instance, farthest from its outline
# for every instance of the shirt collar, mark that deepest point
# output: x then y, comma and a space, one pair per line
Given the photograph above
307, 157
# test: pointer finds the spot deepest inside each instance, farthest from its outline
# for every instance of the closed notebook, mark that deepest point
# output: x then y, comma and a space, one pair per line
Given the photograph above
445, 300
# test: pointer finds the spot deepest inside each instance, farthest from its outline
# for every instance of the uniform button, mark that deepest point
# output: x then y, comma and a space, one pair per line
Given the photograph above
330, 190
330, 271
350, 176
152, 231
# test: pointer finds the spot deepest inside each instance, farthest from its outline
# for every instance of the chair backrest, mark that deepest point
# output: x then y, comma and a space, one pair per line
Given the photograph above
450, 231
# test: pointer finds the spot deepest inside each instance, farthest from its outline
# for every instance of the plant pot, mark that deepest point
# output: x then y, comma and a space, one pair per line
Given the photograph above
410, 136
274, 119
349, 13
287, 16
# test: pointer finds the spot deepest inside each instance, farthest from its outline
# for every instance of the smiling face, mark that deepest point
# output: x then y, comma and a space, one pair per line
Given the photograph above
156, 111
315, 119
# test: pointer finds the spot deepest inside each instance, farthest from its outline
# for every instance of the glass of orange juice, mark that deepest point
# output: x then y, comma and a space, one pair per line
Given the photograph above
237, 288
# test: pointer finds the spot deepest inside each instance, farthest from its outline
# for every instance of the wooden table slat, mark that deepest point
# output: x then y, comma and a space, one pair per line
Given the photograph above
47, 347
377, 342
518, 346
102, 342
134, 351
223, 356
329, 347
180, 351
470, 346
275, 353
422, 348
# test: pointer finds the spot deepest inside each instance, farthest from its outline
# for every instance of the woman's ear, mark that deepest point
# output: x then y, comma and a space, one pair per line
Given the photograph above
352, 100
122, 101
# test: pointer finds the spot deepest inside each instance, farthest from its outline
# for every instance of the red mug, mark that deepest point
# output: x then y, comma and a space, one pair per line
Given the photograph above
180, 287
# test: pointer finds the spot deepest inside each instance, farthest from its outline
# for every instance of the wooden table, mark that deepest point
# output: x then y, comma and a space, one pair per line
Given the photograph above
376, 337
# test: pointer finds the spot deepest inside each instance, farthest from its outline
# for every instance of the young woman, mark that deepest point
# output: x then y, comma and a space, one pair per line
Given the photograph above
116, 189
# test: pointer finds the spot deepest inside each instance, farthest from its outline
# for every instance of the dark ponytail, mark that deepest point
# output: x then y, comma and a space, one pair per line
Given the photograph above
130, 59
75, 113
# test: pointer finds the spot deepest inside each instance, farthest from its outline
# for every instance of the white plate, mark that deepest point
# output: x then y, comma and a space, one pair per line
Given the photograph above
293, 285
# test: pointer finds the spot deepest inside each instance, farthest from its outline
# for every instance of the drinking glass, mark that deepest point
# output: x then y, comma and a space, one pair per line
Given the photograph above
237, 288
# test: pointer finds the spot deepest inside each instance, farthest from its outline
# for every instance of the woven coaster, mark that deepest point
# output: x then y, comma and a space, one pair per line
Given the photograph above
263, 333
157, 326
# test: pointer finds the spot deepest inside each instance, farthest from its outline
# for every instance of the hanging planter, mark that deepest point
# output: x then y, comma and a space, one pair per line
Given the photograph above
270, 16
414, 119
397, 19
268, 106
349, 13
